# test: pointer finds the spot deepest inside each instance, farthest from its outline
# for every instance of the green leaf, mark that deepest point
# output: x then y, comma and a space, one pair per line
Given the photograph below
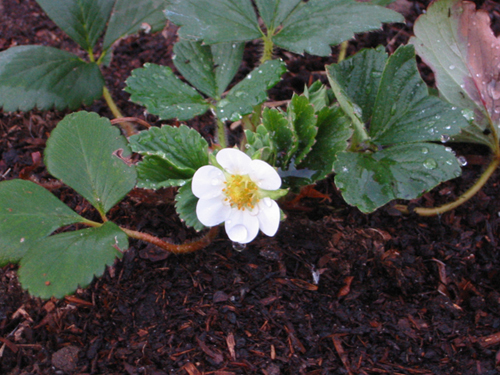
82, 152
369, 181
281, 135
194, 61
129, 16
56, 266
227, 60
404, 111
357, 80
28, 213
172, 155
45, 77
242, 98
301, 116
333, 133
217, 21
458, 44
163, 94
185, 205
392, 161
208, 68
314, 26
274, 12
317, 94
82, 20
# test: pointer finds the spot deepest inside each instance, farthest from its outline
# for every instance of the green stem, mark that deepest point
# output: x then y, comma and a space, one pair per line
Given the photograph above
268, 47
423, 211
221, 133
126, 126
343, 51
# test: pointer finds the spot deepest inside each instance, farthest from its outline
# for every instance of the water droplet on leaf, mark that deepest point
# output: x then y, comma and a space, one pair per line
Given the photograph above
430, 164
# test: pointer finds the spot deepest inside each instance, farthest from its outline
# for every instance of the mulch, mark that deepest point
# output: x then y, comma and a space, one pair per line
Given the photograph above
334, 292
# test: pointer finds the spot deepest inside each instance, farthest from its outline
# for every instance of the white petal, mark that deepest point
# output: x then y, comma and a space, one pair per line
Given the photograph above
234, 161
269, 216
264, 175
242, 227
212, 212
208, 182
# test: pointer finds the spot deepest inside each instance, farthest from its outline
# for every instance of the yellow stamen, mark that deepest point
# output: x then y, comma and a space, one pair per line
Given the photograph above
241, 192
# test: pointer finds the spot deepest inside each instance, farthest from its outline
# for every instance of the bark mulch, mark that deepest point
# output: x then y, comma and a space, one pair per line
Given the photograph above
334, 292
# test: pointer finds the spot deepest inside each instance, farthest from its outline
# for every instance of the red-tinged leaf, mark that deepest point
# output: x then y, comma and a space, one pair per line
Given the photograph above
456, 41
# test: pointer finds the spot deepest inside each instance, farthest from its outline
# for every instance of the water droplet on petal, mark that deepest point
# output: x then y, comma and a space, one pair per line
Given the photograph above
445, 138
452, 67
462, 161
239, 246
425, 150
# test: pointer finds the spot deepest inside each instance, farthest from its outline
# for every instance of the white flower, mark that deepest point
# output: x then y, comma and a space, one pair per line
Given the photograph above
240, 194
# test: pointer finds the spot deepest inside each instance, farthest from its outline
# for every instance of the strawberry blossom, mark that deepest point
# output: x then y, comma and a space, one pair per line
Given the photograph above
239, 192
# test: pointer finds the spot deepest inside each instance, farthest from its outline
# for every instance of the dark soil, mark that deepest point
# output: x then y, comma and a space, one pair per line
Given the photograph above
396, 294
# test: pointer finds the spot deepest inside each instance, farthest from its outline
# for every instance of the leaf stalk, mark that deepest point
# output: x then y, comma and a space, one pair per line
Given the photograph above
424, 211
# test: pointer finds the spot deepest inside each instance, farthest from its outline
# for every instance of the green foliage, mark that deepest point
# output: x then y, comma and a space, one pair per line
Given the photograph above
185, 205
82, 20
171, 156
167, 96
94, 169
57, 265
208, 68
242, 98
45, 77
294, 25
129, 16
28, 213
163, 94
391, 158
302, 143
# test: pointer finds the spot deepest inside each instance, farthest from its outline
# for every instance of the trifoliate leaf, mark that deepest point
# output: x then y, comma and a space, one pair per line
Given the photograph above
163, 94
185, 205
370, 180
456, 41
46, 77
84, 152
274, 12
82, 20
172, 155
316, 25
217, 21
28, 213
130, 16
210, 69
250, 92
57, 265
389, 160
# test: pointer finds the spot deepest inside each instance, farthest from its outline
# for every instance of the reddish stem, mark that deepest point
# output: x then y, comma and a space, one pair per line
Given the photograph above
173, 248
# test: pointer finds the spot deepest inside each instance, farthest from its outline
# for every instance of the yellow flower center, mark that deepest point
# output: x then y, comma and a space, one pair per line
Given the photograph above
241, 192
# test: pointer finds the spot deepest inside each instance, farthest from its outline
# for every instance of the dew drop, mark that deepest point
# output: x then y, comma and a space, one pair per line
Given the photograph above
452, 67
425, 150
430, 164
462, 161
239, 246
445, 138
